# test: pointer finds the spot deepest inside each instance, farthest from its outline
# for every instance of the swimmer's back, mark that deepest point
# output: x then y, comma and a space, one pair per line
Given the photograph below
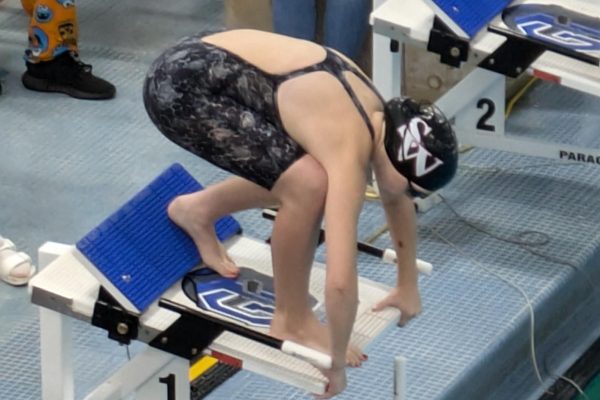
270, 52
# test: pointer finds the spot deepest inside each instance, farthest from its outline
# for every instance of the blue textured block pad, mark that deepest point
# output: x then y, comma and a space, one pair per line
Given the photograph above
139, 250
472, 15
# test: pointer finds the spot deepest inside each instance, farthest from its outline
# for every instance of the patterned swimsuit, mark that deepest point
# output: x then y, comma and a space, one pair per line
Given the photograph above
220, 107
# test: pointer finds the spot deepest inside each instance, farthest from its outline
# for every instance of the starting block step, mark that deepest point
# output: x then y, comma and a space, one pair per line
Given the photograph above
137, 253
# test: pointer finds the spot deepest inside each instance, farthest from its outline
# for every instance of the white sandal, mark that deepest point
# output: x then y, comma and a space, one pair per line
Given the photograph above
10, 260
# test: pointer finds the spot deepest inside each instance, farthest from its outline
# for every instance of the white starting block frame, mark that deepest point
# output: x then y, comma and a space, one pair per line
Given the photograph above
477, 103
65, 289
68, 292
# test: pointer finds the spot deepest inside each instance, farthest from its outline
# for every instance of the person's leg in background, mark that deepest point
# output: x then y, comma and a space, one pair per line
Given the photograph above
296, 18
52, 58
346, 24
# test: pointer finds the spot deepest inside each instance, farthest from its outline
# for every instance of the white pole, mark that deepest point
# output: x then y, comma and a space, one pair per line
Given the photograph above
400, 378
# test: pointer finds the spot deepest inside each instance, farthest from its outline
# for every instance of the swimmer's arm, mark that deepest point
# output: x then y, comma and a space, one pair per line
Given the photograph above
401, 218
402, 223
346, 186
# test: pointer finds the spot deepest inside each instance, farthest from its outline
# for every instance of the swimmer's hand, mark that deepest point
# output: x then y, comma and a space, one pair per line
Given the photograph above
404, 298
337, 382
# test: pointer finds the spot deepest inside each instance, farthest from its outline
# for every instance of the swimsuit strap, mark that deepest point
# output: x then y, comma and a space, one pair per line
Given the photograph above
333, 63
336, 65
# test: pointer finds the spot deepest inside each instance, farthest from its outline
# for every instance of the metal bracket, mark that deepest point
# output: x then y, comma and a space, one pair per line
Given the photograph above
514, 56
108, 314
452, 49
188, 336
518, 52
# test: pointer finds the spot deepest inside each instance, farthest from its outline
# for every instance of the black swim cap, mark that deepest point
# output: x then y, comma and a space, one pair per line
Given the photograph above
420, 143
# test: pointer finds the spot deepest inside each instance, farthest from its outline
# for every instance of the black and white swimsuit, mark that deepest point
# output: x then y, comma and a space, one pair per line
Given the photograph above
220, 107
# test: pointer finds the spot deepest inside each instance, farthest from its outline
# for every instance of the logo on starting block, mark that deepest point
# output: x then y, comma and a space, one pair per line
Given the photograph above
557, 25
248, 299
541, 28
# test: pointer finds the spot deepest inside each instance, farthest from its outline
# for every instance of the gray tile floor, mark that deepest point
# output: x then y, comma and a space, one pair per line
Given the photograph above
66, 164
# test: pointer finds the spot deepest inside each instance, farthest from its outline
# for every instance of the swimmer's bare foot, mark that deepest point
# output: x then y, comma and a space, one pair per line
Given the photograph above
195, 223
311, 333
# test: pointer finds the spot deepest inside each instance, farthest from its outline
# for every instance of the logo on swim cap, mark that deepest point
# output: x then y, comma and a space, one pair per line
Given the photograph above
420, 143
411, 147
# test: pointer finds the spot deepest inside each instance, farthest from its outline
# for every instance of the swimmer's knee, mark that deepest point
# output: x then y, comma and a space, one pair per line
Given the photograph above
314, 181
304, 182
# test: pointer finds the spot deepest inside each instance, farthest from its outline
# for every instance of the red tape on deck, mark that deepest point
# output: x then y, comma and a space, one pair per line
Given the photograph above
546, 76
225, 359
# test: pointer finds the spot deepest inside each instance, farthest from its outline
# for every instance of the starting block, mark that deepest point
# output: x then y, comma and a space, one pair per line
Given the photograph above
554, 40
128, 276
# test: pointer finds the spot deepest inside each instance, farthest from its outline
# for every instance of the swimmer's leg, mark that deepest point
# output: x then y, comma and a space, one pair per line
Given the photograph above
196, 213
301, 191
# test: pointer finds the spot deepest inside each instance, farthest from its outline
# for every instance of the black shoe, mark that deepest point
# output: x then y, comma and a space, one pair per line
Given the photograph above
66, 74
